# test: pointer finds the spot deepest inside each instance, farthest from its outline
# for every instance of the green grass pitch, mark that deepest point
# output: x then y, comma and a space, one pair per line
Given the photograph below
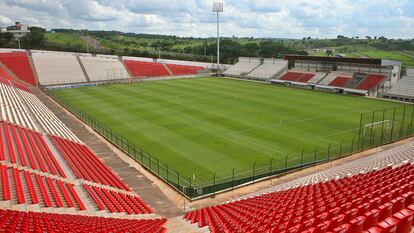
206, 125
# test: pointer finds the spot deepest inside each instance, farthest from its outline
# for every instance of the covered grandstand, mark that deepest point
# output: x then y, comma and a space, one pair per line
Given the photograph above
362, 76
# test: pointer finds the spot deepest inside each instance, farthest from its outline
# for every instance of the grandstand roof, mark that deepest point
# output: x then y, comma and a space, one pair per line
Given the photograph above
371, 61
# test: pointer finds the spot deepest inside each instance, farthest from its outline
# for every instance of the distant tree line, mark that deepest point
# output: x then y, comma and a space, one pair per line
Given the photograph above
378, 42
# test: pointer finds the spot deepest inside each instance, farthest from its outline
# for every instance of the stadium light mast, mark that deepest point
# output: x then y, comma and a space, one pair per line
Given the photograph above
218, 6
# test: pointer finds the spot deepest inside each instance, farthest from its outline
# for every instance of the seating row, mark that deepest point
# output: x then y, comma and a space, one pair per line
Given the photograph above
55, 69
13, 109
297, 77
146, 69
391, 157
306, 208
28, 149
340, 81
116, 202
183, 69
32, 188
371, 81
18, 63
86, 165
46, 118
16, 221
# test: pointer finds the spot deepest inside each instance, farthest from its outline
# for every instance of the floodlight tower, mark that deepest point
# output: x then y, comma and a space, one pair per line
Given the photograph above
218, 6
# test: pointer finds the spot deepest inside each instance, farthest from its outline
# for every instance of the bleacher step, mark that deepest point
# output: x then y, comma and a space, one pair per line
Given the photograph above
83, 69
179, 225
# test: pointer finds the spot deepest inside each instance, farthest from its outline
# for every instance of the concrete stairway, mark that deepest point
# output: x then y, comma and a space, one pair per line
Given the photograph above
179, 225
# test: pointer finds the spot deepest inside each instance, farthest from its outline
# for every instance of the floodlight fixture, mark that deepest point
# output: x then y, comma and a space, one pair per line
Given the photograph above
218, 6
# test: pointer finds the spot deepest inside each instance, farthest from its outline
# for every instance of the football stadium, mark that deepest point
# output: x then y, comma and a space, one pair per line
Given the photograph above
101, 142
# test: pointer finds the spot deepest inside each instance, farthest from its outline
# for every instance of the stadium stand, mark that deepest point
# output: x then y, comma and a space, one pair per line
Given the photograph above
85, 164
205, 65
305, 78
291, 76
376, 195
317, 78
329, 78
271, 68
36, 175
12, 108
4, 75
404, 87
243, 67
146, 69
340, 81
183, 69
19, 64
15, 221
371, 81
395, 156
297, 77
57, 68
28, 149
33, 188
104, 68
116, 202
46, 118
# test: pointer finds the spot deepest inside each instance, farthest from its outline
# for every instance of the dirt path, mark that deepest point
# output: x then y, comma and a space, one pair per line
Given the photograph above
92, 42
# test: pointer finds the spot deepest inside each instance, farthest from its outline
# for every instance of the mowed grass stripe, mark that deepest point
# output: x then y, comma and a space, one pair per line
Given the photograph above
211, 125
208, 144
161, 139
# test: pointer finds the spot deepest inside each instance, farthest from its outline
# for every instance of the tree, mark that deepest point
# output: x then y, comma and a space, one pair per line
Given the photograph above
35, 39
5, 39
382, 38
329, 52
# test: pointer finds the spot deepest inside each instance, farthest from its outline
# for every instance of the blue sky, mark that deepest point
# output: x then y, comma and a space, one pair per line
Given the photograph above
251, 18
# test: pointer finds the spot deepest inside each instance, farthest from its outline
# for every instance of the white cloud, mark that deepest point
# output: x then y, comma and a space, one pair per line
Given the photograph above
258, 18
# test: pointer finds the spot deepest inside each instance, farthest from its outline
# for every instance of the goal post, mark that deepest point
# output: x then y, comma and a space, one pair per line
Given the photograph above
378, 127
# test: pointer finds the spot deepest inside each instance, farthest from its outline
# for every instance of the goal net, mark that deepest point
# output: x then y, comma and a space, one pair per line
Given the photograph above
377, 128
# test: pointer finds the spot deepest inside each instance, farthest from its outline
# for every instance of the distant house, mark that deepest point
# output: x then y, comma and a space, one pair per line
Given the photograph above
18, 30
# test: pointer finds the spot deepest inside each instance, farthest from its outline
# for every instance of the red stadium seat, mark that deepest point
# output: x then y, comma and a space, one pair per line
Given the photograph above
184, 70
146, 69
405, 220
15, 221
350, 204
19, 64
370, 82
297, 77
340, 81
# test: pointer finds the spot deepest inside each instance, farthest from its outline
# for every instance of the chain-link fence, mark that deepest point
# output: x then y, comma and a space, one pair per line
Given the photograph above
385, 126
